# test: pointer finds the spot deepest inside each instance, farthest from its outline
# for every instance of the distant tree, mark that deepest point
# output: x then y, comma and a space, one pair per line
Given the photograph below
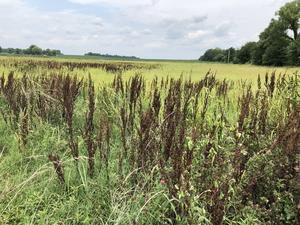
51, 52
10, 50
18, 51
236, 60
213, 55
46, 51
56, 52
230, 54
93, 54
258, 53
110, 56
219, 57
34, 50
246, 53
0, 49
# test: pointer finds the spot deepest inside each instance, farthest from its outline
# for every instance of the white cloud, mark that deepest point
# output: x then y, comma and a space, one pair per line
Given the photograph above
115, 2
146, 28
197, 34
10, 2
64, 29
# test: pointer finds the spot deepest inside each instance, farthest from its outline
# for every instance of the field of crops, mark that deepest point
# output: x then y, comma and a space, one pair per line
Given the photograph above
152, 69
106, 142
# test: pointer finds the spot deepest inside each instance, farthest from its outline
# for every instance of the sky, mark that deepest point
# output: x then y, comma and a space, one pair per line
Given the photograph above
164, 29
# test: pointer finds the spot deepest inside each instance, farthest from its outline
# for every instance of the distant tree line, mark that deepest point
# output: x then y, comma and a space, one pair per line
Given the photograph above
278, 45
32, 50
110, 56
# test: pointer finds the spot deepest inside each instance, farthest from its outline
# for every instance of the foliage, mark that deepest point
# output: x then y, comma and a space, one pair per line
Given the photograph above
214, 55
293, 53
276, 45
245, 54
289, 16
111, 56
31, 50
164, 151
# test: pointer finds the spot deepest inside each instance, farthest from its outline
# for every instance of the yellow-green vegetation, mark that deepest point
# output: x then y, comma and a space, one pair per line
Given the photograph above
175, 69
144, 150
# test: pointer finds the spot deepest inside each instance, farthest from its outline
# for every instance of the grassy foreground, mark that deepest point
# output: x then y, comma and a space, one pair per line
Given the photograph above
144, 150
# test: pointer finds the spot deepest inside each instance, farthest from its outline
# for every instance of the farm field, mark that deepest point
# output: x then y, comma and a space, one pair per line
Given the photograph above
194, 69
138, 142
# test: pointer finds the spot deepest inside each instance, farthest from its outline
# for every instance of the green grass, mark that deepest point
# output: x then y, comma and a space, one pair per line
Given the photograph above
30, 192
194, 69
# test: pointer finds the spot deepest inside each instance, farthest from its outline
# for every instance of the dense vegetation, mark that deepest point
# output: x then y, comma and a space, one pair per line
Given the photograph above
167, 151
31, 50
111, 56
278, 45
23, 65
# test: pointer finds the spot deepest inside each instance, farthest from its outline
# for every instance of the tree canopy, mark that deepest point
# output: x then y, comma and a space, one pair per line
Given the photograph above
289, 16
110, 56
278, 45
31, 50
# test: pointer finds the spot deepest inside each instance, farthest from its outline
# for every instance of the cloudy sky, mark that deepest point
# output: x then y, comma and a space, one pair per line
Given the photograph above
175, 29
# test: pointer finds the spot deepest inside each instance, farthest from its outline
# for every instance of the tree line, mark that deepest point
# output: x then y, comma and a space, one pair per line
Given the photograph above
278, 45
31, 50
110, 56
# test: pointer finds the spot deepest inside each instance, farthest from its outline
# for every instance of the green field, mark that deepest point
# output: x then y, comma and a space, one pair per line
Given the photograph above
175, 69
126, 148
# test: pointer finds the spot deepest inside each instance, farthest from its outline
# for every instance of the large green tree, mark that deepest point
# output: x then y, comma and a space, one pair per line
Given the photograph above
230, 54
34, 50
289, 16
279, 43
293, 53
214, 55
258, 53
245, 53
275, 43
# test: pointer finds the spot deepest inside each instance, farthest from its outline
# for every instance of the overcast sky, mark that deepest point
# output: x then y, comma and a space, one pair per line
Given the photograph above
175, 29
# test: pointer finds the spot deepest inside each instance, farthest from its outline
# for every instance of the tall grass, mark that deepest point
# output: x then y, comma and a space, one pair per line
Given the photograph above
170, 151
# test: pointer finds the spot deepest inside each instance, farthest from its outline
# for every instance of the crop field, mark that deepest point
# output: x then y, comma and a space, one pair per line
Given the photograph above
149, 69
87, 141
